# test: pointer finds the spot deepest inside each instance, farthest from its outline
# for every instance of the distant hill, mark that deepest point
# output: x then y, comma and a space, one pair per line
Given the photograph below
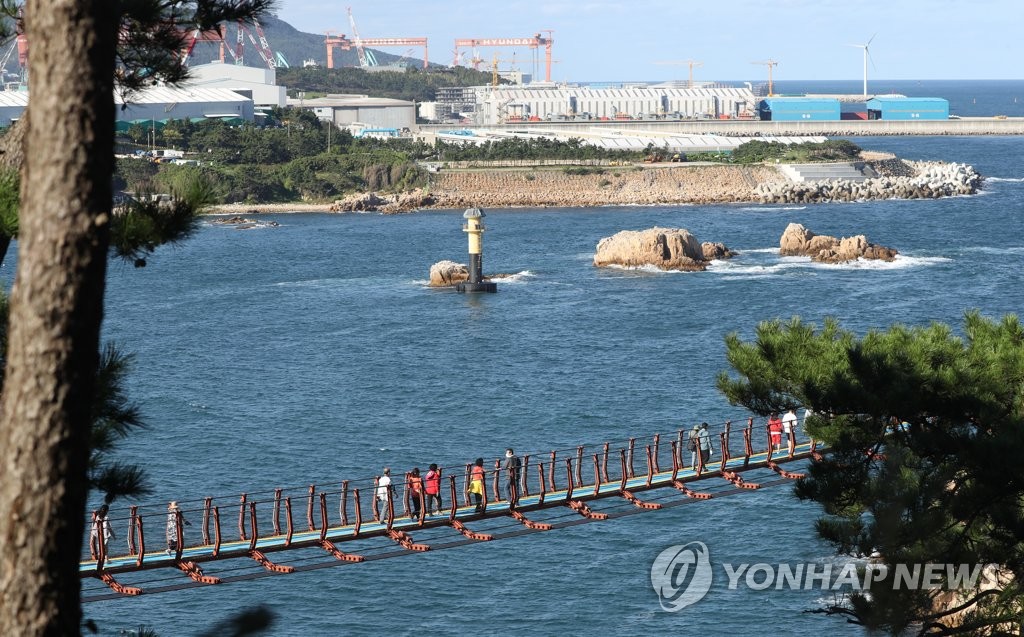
293, 44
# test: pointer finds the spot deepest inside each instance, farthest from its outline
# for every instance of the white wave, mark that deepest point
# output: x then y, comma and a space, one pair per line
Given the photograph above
648, 269
1012, 180
732, 268
758, 250
514, 277
772, 208
992, 250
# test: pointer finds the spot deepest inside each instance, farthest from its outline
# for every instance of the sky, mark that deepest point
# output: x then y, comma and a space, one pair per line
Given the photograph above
597, 40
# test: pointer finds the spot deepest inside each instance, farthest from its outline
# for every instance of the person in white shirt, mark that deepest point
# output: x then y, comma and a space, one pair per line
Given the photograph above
383, 494
789, 429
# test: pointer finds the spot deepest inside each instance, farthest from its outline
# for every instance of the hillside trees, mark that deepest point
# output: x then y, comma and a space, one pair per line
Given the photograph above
56, 303
925, 432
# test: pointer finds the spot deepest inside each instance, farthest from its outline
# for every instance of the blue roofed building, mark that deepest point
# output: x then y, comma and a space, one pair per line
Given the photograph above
799, 109
902, 108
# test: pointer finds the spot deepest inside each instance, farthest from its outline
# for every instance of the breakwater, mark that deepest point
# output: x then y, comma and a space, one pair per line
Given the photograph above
646, 185
897, 178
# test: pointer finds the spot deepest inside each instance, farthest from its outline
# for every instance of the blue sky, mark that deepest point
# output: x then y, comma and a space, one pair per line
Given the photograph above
609, 40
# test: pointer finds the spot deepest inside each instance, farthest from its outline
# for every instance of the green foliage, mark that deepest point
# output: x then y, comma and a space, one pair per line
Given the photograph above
925, 432
142, 224
9, 193
582, 170
756, 151
413, 84
114, 418
135, 175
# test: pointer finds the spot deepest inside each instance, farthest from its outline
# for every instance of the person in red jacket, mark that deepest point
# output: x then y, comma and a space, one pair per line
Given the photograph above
775, 430
433, 488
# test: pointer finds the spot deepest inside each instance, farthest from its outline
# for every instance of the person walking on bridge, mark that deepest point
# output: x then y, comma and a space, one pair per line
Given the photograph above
433, 488
476, 483
382, 495
173, 515
789, 430
775, 430
694, 444
512, 466
415, 490
704, 441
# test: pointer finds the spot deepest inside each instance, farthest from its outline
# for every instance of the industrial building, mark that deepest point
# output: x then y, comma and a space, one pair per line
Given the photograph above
258, 84
899, 107
798, 109
161, 103
155, 105
373, 112
490, 105
12, 105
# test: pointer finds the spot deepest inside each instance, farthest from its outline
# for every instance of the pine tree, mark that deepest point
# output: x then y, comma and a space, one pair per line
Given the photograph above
925, 435
80, 52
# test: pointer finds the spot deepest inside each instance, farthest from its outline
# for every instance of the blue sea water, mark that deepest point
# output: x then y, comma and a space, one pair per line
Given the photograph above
313, 352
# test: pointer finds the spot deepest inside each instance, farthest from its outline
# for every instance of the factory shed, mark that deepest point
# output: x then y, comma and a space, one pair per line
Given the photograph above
798, 109
898, 107
376, 112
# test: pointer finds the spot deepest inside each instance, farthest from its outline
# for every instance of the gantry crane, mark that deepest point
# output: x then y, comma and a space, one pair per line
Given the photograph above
770, 63
534, 43
362, 45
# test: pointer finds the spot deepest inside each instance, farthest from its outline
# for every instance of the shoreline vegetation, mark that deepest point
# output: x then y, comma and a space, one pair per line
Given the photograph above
642, 184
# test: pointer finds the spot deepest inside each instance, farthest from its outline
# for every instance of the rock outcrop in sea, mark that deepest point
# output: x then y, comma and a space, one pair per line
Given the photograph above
799, 241
388, 203
898, 179
665, 248
448, 273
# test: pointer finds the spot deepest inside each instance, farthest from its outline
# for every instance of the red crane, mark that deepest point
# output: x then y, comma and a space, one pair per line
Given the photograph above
534, 43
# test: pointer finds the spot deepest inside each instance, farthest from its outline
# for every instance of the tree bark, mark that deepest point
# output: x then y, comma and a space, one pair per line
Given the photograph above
56, 311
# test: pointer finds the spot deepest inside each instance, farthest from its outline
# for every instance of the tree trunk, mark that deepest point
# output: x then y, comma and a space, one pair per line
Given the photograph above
56, 310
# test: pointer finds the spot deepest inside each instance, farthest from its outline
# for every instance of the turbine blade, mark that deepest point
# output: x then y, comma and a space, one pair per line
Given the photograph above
869, 41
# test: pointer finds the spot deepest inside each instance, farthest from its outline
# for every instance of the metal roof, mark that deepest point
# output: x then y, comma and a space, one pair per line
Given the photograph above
168, 95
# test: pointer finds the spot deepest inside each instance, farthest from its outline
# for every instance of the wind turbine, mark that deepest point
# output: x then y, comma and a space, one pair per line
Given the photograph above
866, 56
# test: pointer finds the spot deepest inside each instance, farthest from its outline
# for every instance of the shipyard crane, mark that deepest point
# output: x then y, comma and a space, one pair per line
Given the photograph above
215, 34
332, 42
689, 63
770, 63
534, 43
365, 55
356, 40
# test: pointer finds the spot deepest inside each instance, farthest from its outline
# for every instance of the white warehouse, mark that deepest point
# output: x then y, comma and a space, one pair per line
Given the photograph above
501, 104
156, 104
375, 112
258, 84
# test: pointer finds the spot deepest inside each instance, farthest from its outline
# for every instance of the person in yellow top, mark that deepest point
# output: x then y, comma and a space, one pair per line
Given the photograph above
476, 483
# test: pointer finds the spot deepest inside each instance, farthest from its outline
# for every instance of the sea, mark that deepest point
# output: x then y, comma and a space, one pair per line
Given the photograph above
313, 351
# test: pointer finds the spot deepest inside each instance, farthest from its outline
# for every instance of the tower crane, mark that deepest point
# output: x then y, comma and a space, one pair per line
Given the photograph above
770, 63
689, 63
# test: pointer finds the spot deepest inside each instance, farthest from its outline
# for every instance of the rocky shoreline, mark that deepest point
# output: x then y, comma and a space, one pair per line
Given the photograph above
647, 185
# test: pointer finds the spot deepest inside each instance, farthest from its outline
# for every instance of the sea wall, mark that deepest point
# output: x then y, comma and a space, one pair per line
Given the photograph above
899, 179
612, 186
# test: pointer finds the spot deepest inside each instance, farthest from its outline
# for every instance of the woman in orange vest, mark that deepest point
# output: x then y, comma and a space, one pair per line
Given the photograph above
476, 483
415, 491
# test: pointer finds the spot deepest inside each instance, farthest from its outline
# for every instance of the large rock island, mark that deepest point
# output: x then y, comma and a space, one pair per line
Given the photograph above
665, 248
799, 241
